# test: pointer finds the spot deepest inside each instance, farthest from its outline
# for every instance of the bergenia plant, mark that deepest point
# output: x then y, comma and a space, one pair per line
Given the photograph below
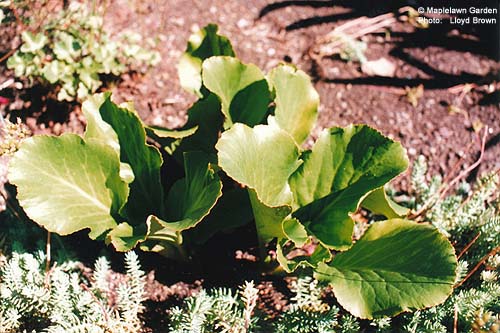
243, 159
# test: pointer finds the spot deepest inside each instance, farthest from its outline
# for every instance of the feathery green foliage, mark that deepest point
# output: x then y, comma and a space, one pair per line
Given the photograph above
60, 299
219, 310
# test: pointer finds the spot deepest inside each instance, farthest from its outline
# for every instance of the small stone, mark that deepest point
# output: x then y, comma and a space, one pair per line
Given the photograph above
243, 23
271, 52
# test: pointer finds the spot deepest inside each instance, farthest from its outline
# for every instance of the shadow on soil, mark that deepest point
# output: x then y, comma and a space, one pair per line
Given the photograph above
479, 39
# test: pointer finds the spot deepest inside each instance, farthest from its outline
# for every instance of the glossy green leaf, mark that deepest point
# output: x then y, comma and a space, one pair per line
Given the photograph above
296, 101
100, 130
344, 165
191, 198
97, 128
169, 139
242, 89
146, 191
261, 158
203, 44
379, 203
67, 184
396, 266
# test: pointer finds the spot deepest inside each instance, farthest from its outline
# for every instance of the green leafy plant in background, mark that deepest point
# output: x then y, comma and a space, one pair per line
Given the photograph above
33, 298
72, 51
246, 133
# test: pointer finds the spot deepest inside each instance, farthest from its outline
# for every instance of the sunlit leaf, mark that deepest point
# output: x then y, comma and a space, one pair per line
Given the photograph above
379, 203
344, 165
202, 44
396, 266
71, 185
242, 89
296, 101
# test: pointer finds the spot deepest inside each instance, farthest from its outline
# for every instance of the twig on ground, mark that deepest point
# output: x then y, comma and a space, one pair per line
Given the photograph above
449, 184
467, 247
478, 265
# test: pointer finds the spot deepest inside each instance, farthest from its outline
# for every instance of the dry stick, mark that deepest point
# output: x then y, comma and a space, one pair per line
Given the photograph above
23, 28
16, 15
368, 24
359, 33
471, 167
47, 253
482, 261
459, 88
47, 276
456, 166
9, 205
445, 188
363, 25
8, 54
84, 287
467, 247
455, 320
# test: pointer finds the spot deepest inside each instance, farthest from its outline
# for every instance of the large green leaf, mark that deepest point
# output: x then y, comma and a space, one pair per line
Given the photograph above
396, 266
67, 184
146, 191
344, 165
203, 44
296, 101
261, 158
162, 132
242, 89
169, 139
191, 198
163, 239
125, 237
97, 128
100, 130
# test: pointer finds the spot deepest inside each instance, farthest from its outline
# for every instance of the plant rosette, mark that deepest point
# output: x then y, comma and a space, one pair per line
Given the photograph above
241, 159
